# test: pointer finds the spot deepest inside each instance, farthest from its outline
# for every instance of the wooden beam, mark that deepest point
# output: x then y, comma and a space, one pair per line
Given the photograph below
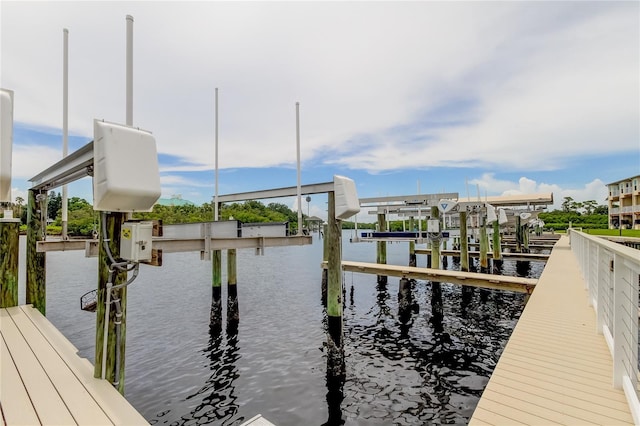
532, 257
490, 281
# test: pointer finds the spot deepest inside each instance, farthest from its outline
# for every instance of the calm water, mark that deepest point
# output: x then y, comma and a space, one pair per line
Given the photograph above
179, 374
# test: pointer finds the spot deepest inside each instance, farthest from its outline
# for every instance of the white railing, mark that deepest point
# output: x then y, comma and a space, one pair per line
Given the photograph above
611, 273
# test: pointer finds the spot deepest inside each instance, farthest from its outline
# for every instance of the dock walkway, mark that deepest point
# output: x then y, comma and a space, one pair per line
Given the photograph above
555, 368
44, 381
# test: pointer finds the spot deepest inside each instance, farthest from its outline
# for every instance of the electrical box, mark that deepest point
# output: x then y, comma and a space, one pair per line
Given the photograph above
6, 143
433, 225
126, 176
346, 196
135, 241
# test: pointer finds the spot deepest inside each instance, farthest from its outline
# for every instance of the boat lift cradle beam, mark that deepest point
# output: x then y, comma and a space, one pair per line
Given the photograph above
76, 165
314, 188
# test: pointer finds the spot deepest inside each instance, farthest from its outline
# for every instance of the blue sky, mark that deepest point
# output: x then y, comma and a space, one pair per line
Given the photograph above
509, 97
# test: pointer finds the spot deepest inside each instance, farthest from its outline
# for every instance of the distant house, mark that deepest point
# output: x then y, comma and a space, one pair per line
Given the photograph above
624, 203
175, 200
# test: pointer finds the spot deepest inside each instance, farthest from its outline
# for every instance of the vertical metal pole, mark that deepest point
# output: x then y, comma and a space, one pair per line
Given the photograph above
215, 203
129, 71
298, 165
65, 124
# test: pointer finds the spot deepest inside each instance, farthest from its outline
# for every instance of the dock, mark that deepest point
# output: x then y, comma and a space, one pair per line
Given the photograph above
44, 381
526, 257
489, 281
556, 368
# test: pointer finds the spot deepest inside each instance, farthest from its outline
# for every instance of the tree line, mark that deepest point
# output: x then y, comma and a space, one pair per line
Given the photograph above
84, 221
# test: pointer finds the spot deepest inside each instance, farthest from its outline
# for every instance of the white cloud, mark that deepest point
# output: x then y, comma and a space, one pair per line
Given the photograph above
29, 160
594, 190
521, 86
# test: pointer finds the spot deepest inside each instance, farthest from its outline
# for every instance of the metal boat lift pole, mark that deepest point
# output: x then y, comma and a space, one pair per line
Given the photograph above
298, 167
65, 124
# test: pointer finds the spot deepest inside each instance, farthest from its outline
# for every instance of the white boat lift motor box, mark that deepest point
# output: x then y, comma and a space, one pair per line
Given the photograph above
126, 176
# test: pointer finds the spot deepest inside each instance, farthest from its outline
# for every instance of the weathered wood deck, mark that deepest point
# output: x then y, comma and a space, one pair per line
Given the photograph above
44, 381
555, 368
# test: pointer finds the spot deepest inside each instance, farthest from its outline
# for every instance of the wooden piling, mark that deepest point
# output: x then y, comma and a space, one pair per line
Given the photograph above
233, 312
114, 223
497, 247
436, 290
484, 245
412, 245
9, 238
464, 242
404, 300
381, 257
36, 262
335, 352
484, 249
445, 259
325, 258
215, 319
518, 234
467, 291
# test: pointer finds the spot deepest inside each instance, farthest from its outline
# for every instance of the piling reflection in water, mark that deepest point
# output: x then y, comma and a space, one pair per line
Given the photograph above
217, 397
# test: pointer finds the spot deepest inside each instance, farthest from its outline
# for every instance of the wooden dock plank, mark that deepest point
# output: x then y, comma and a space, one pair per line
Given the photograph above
555, 366
117, 408
546, 378
16, 405
81, 405
46, 401
587, 401
59, 385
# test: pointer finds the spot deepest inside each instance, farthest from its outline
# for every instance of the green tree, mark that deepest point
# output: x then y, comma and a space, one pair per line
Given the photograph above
589, 206
566, 204
54, 205
18, 207
601, 209
82, 219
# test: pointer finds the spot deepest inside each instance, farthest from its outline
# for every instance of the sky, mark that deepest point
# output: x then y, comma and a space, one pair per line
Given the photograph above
492, 98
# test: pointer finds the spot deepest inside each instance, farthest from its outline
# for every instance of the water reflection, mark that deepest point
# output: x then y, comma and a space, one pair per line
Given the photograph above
217, 397
406, 368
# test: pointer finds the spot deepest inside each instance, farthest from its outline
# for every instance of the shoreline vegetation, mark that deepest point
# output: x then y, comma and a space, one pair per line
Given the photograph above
83, 220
